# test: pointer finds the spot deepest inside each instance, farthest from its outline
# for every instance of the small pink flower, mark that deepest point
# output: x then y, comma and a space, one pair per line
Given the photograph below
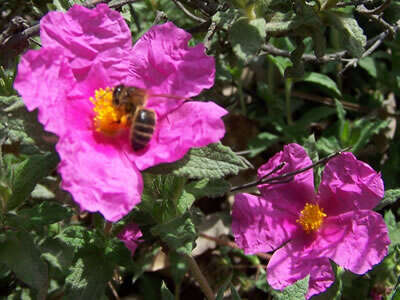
308, 229
85, 54
131, 235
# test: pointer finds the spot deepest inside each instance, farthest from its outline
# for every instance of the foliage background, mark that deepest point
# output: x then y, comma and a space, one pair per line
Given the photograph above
323, 73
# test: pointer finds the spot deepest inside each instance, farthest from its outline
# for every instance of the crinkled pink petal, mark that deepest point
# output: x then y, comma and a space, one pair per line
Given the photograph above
355, 240
294, 194
98, 176
130, 236
88, 36
259, 227
162, 62
289, 264
44, 80
193, 124
349, 184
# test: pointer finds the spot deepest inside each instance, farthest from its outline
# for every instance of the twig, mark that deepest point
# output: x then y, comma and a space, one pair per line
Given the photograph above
362, 9
286, 176
198, 275
380, 38
233, 245
306, 57
113, 290
352, 3
187, 12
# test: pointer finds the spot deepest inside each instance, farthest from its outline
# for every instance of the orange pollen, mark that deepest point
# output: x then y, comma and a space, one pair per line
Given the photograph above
311, 217
108, 118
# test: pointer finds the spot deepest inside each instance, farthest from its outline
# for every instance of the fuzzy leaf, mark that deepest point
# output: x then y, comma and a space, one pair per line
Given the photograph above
295, 291
368, 64
27, 174
179, 234
352, 34
393, 228
247, 37
367, 128
208, 188
21, 255
390, 197
324, 81
57, 253
214, 161
165, 292
88, 276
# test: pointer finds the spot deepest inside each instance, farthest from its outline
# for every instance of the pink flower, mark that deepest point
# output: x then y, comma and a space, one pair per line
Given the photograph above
308, 229
130, 236
85, 54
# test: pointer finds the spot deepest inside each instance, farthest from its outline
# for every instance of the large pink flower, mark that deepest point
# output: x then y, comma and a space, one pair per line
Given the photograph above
85, 54
308, 229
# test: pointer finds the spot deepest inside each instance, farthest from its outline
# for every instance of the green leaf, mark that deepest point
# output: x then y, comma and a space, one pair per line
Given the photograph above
88, 276
262, 142
393, 228
280, 62
178, 266
295, 291
328, 145
324, 81
368, 64
352, 34
75, 236
208, 188
165, 292
27, 174
223, 288
247, 37
57, 253
21, 255
214, 161
45, 213
179, 234
21, 127
235, 295
391, 196
367, 128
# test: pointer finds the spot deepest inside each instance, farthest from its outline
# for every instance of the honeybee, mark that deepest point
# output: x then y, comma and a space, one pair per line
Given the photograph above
143, 120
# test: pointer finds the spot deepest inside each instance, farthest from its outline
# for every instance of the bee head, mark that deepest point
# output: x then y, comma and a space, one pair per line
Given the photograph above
117, 94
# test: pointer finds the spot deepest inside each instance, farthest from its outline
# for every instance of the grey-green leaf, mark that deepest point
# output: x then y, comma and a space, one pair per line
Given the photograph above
352, 34
390, 197
324, 81
214, 161
247, 37
21, 255
295, 291
88, 276
27, 174
179, 234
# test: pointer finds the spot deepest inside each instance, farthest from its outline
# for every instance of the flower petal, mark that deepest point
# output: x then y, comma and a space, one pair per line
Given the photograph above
355, 240
193, 124
162, 62
88, 36
349, 184
44, 80
293, 195
257, 227
289, 264
99, 176
131, 235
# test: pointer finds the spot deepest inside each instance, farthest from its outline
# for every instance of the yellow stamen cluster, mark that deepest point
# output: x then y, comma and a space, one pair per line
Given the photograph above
108, 119
311, 217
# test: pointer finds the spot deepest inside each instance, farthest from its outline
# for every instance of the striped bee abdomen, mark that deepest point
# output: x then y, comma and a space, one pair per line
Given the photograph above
142, 128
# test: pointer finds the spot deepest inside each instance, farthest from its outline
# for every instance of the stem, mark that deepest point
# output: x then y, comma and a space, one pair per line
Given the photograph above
108, 228
288, 91
198, 275
177, 291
